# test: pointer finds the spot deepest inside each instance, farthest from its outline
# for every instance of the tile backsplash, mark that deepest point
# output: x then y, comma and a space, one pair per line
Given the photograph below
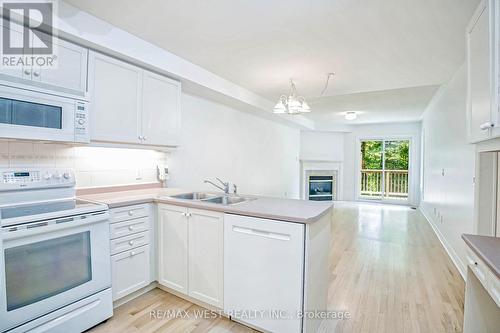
93, 166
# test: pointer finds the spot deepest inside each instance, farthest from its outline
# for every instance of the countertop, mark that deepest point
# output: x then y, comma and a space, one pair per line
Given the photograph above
290, 210
487, 249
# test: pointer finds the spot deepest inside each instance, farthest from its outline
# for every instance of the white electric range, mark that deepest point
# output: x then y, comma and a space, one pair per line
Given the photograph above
55, 271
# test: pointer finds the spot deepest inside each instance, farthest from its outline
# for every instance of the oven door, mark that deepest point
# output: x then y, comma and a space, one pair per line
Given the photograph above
45, 268
32, 115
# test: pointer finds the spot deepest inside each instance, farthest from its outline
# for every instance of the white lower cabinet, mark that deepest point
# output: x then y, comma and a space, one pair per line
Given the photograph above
206, 256
132, 249
172, 247
130, 271
190, 258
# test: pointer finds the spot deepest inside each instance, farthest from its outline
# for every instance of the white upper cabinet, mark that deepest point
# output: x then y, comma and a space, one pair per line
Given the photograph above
115, 94
68, 77
131, 105
16, 40
71, 73
160, 110
482, 109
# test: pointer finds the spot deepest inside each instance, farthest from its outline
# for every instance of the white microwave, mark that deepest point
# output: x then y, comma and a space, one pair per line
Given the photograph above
31, 115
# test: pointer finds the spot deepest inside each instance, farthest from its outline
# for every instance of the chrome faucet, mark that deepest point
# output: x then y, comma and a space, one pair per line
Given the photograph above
224, 187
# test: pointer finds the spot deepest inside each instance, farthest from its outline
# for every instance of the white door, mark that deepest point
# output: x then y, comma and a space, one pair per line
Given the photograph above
263, 271
479, 55
130, 271
160, 110
70, 75
173, 247
115, 89
206, 231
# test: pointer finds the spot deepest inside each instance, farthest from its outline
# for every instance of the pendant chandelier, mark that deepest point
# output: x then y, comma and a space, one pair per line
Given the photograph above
291, 104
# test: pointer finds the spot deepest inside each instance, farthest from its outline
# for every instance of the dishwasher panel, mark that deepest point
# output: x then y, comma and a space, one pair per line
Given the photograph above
263, 272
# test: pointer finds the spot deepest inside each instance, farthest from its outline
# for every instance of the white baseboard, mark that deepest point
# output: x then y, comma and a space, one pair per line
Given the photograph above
461, 267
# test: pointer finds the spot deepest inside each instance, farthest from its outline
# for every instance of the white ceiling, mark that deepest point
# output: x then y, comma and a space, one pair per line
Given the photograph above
396, 105
375, 47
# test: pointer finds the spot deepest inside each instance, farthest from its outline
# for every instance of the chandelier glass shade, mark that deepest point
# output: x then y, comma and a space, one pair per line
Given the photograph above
291, 104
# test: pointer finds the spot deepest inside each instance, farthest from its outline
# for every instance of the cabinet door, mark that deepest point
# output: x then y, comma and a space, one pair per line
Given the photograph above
15, 32
160, 110
206, 230
115, 89
130, 271
173, 247
70, 75
479, 60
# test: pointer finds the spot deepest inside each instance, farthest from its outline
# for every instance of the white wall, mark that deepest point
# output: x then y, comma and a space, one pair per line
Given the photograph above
93, 166
259, 155
321, 146
389, 130
450, 196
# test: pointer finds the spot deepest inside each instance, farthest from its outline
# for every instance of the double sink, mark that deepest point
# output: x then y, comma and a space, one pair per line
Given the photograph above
212, 198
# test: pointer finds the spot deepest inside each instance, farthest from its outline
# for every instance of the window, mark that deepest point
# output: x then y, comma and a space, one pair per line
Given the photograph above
384, 170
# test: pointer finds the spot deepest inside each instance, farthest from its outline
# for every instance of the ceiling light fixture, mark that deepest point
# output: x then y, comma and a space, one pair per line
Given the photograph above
293, 104
351, 115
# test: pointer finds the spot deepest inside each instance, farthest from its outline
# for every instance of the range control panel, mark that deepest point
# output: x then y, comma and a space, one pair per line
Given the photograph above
20, 178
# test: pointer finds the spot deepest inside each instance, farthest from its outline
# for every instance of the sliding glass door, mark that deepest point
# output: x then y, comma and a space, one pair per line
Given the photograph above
384, 170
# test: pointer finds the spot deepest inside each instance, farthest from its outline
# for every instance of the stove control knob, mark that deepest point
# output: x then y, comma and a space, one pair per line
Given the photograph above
57, 176
47, 176
66, 175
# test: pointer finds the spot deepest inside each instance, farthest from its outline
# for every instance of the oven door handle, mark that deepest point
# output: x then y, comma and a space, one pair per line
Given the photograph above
43, 227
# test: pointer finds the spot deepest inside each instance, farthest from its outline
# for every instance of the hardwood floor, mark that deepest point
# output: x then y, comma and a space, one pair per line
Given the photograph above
388, 270
391, 273
149, 314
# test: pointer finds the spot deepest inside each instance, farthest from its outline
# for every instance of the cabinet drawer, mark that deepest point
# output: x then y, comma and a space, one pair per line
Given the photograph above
477, 266
129, 227
128, 213
129, 242
494, 287
130, 271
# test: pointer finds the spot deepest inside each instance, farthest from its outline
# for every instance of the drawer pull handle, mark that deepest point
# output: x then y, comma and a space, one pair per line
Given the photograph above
132, 253
130, 213
131, 228
131, 243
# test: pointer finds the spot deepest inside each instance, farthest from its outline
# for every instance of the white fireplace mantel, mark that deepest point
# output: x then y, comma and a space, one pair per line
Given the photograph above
311, 165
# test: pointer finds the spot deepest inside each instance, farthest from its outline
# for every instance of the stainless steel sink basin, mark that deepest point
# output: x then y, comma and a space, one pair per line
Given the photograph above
227, 200
194, 196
